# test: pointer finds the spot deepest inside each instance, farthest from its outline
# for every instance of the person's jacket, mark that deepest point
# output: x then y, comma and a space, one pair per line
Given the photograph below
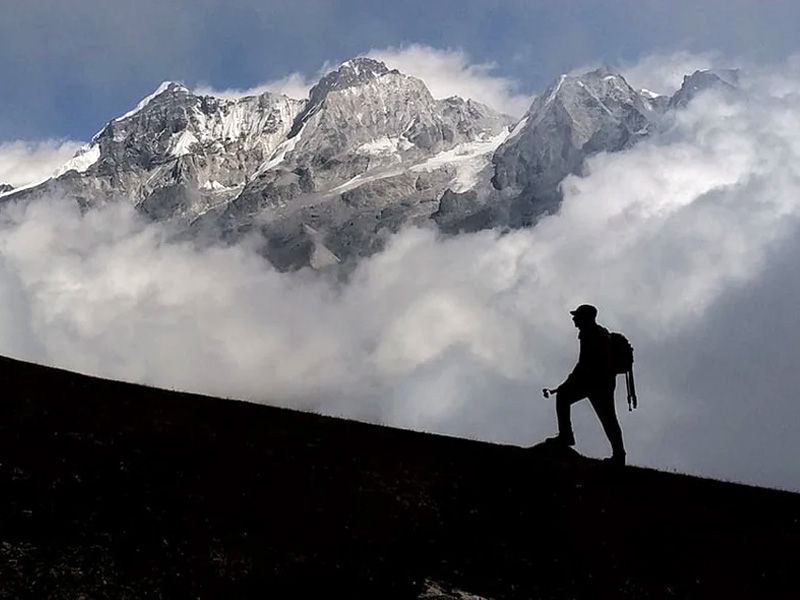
594, 366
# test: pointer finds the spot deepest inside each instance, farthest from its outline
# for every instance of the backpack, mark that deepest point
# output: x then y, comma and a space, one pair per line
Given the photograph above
621, 359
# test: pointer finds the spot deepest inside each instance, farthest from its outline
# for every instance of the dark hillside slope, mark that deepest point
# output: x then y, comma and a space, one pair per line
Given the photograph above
111, 490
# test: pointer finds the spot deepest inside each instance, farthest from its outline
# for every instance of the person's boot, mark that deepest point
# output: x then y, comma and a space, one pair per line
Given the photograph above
615, 460
562, 439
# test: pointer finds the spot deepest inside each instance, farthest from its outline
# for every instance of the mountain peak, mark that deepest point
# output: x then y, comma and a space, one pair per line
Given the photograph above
601, 71
351, 73
576, 116
722, 79
363, 65
571, 89
166, 87
171, 86
729, 76
604, 76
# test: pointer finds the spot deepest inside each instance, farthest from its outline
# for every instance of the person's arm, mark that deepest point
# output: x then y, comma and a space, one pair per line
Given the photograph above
566, 382
579, 368
574, 375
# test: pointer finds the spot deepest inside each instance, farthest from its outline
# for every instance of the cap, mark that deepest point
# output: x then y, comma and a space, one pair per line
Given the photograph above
585, 310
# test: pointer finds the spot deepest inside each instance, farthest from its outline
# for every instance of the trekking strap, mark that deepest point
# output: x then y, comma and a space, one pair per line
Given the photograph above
629, 383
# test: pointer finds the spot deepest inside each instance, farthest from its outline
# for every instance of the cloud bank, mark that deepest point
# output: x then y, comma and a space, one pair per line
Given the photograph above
686, 242
24, 162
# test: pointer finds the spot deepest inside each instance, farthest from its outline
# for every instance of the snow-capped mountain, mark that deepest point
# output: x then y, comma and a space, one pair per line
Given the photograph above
575, 117
326, 178
371, 150
176, 154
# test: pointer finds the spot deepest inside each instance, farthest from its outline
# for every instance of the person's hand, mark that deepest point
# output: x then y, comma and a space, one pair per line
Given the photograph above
547, 392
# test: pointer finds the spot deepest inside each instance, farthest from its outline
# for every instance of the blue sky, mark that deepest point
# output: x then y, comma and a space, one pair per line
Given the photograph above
67, 66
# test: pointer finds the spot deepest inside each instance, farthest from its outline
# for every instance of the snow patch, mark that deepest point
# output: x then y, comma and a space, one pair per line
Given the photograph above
648, 94
213, 185
593, 95
517, 128
281, 151
555, 89
469, 159
384, 145
245, 121
363, 178
27, 186
321, 256
83, 159
183, 143
349, 64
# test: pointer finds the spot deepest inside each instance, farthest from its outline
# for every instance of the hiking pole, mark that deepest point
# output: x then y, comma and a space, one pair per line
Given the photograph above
631, 386
628, 389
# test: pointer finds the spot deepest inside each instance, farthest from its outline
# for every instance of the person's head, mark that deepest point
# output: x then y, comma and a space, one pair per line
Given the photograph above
584, 315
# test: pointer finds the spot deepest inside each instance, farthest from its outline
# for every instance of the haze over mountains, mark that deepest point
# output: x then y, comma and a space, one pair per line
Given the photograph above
326, 179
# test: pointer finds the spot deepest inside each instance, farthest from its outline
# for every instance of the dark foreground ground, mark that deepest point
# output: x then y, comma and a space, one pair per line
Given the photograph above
109, 490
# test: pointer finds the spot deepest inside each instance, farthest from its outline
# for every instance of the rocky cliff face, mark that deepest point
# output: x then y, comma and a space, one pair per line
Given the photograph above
326, 179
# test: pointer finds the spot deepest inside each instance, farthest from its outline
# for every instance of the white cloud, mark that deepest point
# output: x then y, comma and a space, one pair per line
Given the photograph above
686, 242
24, 162
294, 85
450, 73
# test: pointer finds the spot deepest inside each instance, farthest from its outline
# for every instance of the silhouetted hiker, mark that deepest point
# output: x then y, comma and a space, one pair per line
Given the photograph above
594, 378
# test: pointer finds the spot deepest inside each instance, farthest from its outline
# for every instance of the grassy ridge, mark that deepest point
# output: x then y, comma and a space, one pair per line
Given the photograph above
113, 490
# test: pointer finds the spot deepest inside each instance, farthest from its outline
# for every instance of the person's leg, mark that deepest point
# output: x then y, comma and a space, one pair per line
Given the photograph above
564, 401
603, 403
